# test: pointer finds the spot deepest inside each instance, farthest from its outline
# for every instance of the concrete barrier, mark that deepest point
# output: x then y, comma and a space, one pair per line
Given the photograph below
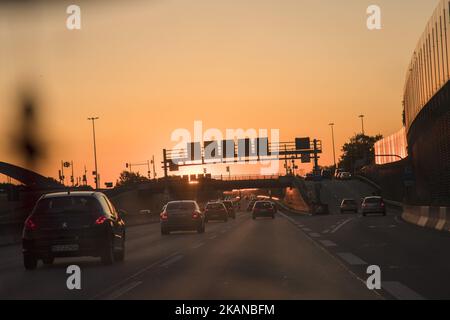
428, 217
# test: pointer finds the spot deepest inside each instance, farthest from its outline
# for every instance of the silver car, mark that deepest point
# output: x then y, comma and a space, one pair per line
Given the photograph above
373, 205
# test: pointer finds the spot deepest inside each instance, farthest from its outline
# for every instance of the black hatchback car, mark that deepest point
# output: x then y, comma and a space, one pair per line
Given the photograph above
73, 224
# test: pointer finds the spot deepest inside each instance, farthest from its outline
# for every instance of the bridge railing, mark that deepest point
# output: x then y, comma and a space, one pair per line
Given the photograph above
245, 177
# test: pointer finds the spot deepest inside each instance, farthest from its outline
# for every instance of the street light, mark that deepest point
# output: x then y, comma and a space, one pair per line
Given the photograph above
95, 150
332, 139
362, 123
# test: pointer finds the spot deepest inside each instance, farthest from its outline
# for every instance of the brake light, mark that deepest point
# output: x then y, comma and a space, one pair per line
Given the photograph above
382, 204
30, 225
100, 220
163, 215
195, 215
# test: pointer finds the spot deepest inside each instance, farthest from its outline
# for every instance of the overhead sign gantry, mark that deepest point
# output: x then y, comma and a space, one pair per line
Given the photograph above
241, 151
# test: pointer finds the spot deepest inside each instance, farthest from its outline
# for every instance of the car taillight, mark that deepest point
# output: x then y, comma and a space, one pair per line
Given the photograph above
100, 220
163, 215
194, 215
30, 225
382, 204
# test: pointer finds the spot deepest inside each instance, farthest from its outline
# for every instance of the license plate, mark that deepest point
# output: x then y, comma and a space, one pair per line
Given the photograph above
65, 248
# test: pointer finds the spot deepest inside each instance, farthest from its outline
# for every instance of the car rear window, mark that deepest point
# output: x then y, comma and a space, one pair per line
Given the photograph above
263, 205
181, 206
372, 200
349, 202
60, 205
214, 206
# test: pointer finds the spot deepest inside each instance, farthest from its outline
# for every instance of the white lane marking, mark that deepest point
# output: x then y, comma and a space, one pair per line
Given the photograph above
351, 259
315, 234
120, 292
212, 237
306, 229
143, 270
328, 243
400, 291
171, 261
325, 231
224, 231
198, 245
341, 225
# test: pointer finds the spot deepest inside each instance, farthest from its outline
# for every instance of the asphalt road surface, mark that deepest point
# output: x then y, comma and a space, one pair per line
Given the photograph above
291, 257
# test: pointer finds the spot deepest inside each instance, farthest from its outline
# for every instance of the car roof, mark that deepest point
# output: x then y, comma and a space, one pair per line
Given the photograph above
348, 199
185, 201
70, 194
373, 197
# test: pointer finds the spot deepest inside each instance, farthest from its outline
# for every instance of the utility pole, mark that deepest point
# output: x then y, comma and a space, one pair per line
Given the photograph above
154, 168
332, 139
362, 124
95, 150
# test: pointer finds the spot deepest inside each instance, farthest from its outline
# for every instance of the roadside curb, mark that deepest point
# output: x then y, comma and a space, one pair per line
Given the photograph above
428, 217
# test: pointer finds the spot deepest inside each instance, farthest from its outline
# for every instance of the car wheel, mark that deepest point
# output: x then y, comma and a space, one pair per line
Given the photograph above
29, 262
164, 231
108, 253
119, 255
201, 229
48, 261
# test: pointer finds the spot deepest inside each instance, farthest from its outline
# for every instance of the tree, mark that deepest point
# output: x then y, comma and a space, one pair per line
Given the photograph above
358, 152
129, 178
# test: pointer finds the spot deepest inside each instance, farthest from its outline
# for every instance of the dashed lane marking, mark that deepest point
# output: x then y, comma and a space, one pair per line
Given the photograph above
171, 261
341, 225
351, 259
400, 291
328, 243
315, 235
135, 275
198, 245
120, 292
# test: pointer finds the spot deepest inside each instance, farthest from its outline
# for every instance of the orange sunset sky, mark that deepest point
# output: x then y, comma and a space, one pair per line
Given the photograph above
147, 68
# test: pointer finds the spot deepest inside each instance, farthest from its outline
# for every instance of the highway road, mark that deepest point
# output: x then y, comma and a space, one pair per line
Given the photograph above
291, 257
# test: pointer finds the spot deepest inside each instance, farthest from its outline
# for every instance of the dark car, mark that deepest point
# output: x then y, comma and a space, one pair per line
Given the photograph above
264, 209
216, 211
349, 205
230, 208
73, 224
182, 216
373, 205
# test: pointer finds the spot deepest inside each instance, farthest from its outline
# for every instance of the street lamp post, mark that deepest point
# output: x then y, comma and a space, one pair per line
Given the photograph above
332, 139
95, 150
362, 123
